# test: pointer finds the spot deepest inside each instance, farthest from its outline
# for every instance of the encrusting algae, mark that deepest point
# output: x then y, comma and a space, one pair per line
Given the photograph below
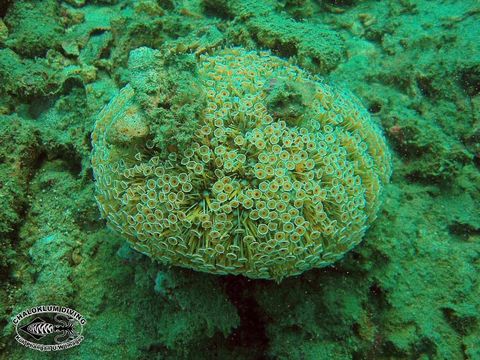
282, 174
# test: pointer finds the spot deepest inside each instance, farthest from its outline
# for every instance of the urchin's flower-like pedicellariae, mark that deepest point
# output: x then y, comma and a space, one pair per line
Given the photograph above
283, 173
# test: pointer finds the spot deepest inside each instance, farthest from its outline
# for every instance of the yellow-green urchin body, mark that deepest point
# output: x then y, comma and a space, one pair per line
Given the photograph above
283, 174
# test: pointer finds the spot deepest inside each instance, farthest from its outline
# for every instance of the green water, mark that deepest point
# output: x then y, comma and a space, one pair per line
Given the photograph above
409, 290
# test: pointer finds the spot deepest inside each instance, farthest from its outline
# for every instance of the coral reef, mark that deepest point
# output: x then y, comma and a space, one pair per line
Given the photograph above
262, 189
409, 290
314, 46
25, 36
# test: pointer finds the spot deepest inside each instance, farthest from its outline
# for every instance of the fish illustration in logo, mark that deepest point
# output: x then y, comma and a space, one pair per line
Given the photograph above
41, 327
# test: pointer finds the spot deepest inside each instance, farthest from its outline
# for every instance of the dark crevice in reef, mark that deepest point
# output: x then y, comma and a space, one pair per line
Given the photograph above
217, 9
470, 80
375, 108
345, 3
38, 105
72, 84
8, 242
166, 4
41, 158
285, 49
377, 296
462, 324
70, 159
463, 230
251, 334
426, 86
4, 7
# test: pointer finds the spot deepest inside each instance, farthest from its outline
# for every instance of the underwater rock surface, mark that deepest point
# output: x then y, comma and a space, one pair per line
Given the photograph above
409, 290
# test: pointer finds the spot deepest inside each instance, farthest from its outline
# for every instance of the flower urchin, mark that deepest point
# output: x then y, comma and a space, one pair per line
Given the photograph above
283, 173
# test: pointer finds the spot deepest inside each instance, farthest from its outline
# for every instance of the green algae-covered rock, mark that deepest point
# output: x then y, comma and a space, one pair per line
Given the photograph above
34, 26
281, 173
